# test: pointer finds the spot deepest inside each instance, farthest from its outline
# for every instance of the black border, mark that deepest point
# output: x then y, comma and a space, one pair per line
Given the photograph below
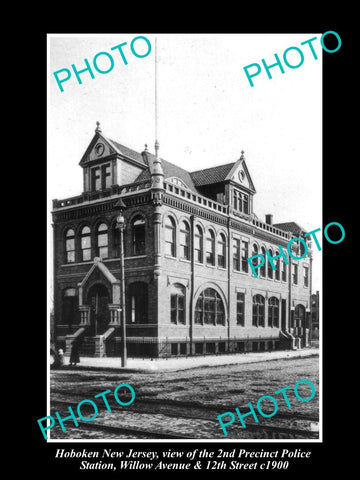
338, 122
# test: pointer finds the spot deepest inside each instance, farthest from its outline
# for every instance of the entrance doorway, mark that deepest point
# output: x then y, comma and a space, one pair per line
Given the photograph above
98, 299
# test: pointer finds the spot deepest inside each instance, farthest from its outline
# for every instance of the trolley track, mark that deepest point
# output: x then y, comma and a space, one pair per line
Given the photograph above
184, 411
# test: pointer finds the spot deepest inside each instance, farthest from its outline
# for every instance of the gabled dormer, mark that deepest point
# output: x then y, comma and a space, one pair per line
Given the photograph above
106, 163
241, 187
230, 184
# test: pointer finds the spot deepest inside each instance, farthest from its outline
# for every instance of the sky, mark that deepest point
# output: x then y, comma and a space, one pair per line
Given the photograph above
207, 112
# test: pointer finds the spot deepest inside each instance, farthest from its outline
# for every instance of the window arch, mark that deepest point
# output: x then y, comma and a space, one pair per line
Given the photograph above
184, 240
177, 304
258, 319
70, 245
102, 240
255, 251
299, 317
270, 271
85, 243
198, 247
277, 265
209, 308
273, 312
263, 267
221, 251
210, 247
170, 236
138, 235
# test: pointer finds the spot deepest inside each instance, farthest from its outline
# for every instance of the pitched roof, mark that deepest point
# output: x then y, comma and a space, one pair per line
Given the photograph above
211, 175
191, 179
291, 227
170, 170
128, 152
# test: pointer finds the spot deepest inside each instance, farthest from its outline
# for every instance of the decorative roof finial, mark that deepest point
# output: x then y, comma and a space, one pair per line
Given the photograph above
242, 157
146, 149
98, 129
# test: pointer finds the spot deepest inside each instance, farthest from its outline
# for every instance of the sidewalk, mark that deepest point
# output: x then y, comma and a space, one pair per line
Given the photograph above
184, 363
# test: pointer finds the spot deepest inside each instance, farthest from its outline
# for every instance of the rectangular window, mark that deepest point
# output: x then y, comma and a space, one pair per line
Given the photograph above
240, 309
244, 256
210, 250
277, 269
173, 308
169, 242
95, 179
241, 202
306, 276
106, 176
198, 248
70, 257
103, 245
70, 250
177, 308
133, 309
184, 245
86, 248
246, 204
181, 308
295, 274
236, 254
283, 271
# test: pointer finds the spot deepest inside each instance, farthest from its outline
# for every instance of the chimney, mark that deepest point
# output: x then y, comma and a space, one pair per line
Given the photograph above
144, 155
269, 219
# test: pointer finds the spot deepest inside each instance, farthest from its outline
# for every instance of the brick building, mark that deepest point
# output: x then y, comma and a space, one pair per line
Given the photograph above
189, 288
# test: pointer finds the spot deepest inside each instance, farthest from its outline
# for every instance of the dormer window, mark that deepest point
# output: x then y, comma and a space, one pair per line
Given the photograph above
241, 201
101, 177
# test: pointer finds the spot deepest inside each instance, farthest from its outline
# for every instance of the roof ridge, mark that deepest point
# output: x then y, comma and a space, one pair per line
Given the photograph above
215, 166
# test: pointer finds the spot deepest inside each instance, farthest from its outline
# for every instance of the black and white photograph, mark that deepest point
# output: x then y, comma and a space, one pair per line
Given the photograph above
185, 250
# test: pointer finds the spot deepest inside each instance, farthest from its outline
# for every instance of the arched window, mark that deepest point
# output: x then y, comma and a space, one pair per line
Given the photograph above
273, 312
198, 247
221, 253
70, 245
255, 261
138, 236
209, 308
278, 266
283, 271
299, 315
258, 319
102, 240
263, 267
269, 266
210, 248
170, 236
85, 244
177, 304
185, 240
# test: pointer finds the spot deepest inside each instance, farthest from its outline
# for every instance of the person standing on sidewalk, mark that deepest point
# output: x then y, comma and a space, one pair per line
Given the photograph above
74, 354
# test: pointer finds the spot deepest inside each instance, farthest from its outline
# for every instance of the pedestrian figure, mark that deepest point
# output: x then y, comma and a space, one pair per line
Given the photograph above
59, 359
74, 354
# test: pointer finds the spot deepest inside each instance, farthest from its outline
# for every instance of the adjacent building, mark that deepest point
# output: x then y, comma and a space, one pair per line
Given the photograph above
189, 289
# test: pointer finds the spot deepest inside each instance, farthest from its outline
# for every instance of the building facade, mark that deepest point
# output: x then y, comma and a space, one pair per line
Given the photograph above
189, 288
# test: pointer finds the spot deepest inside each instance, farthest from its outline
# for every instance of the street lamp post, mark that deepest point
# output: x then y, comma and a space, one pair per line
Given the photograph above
120, 205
